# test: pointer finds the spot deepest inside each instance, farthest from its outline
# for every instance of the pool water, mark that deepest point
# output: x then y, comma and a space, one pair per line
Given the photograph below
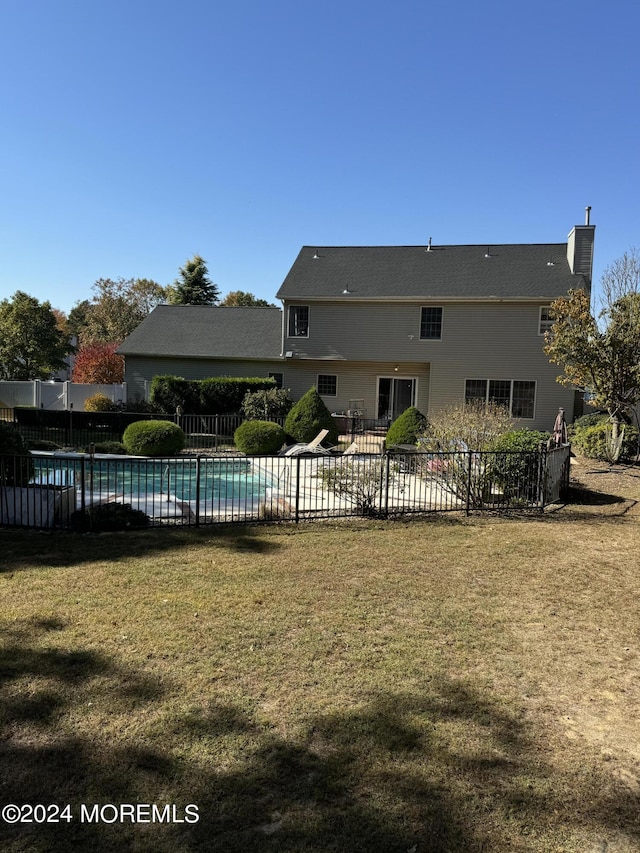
204, 480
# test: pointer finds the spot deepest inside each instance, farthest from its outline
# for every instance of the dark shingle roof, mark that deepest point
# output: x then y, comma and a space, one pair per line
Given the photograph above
204, 331
406, 272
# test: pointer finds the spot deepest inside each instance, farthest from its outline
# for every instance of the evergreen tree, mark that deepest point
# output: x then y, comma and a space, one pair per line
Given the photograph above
308, 417
193, 285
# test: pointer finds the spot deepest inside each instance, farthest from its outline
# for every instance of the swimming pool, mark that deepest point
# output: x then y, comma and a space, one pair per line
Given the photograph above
209, 483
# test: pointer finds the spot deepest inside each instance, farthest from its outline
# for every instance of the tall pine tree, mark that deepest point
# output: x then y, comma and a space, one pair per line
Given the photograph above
193, 285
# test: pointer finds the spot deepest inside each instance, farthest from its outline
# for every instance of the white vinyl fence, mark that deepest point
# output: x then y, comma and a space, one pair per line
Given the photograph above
57, 396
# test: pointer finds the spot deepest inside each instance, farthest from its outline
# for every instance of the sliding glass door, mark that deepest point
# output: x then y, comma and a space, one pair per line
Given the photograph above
395, 394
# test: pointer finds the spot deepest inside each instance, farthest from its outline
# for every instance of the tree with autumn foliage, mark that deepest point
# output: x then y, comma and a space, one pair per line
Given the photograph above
98, 363
32, 346
241, 299
117, 308
600, 355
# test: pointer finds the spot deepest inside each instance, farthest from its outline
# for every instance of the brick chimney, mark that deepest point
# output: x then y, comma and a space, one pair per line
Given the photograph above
580, 249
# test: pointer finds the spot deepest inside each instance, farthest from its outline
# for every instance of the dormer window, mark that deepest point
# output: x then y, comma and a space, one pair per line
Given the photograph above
298, 321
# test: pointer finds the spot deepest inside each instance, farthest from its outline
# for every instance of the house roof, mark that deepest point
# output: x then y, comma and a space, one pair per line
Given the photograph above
205, 331
535, 271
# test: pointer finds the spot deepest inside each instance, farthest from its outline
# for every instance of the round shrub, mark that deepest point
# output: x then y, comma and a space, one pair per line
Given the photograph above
153, 438
16, 463
308, 417
406, 428
259, 437
99, 403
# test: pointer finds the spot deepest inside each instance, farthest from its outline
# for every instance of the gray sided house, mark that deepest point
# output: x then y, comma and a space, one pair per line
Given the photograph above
199, 341
381, 328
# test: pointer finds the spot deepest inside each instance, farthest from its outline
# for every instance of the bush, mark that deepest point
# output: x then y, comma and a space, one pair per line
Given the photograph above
99, 403
115, 447
308, 417
224, 394
406, 428
169, 392
153, 438
42, 444
357, 481
259, 437
591, 436
16, 463
215, 396
516, 463
266, 405
109, 516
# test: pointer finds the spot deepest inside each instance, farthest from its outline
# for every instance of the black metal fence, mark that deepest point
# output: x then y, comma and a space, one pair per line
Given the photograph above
79, 430
78, 491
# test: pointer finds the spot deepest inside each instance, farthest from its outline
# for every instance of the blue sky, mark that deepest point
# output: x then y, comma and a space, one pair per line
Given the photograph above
138, 133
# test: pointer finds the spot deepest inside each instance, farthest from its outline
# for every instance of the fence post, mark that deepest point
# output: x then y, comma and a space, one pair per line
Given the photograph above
542, 469
297, 489
469, 475
198, 469
215, 433
387, 468
83, 499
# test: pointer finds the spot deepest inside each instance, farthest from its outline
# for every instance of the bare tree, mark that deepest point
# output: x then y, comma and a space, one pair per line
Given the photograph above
620, 278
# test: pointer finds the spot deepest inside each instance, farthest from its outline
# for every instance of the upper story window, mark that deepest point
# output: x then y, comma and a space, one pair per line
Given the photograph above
546, 321
298, 321
430, 324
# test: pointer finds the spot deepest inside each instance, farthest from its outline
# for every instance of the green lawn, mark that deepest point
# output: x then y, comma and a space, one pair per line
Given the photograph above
450, 685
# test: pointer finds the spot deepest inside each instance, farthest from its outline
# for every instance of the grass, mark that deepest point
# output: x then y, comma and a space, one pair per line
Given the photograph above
454, 685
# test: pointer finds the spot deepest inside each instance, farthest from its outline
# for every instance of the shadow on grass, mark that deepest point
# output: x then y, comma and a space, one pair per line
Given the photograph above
23, 549
444, 769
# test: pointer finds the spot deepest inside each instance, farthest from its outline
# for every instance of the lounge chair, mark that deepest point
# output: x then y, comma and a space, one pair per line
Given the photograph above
310, 448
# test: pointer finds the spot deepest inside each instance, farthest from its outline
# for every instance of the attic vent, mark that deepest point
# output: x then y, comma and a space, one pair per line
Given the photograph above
550, 263
488, 254
316, 255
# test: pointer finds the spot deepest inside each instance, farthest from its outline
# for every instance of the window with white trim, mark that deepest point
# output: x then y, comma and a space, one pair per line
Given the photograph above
517, 396
298, 321
546, 321
430, 323
327, 384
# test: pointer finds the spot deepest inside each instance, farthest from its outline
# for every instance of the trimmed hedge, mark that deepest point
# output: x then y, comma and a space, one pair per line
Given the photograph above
406, 428
153, 438
169, 392
218, 395
308, 417
259, 437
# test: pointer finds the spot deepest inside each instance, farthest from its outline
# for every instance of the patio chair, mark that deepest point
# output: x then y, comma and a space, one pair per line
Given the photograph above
310, 448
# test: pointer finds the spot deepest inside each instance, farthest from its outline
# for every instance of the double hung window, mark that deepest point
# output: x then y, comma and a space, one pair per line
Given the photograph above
298, 321
517, 396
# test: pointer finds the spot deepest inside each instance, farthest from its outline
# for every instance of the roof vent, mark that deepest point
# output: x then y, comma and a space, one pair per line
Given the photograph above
428, 249
550, 263
488, 254
316, 256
